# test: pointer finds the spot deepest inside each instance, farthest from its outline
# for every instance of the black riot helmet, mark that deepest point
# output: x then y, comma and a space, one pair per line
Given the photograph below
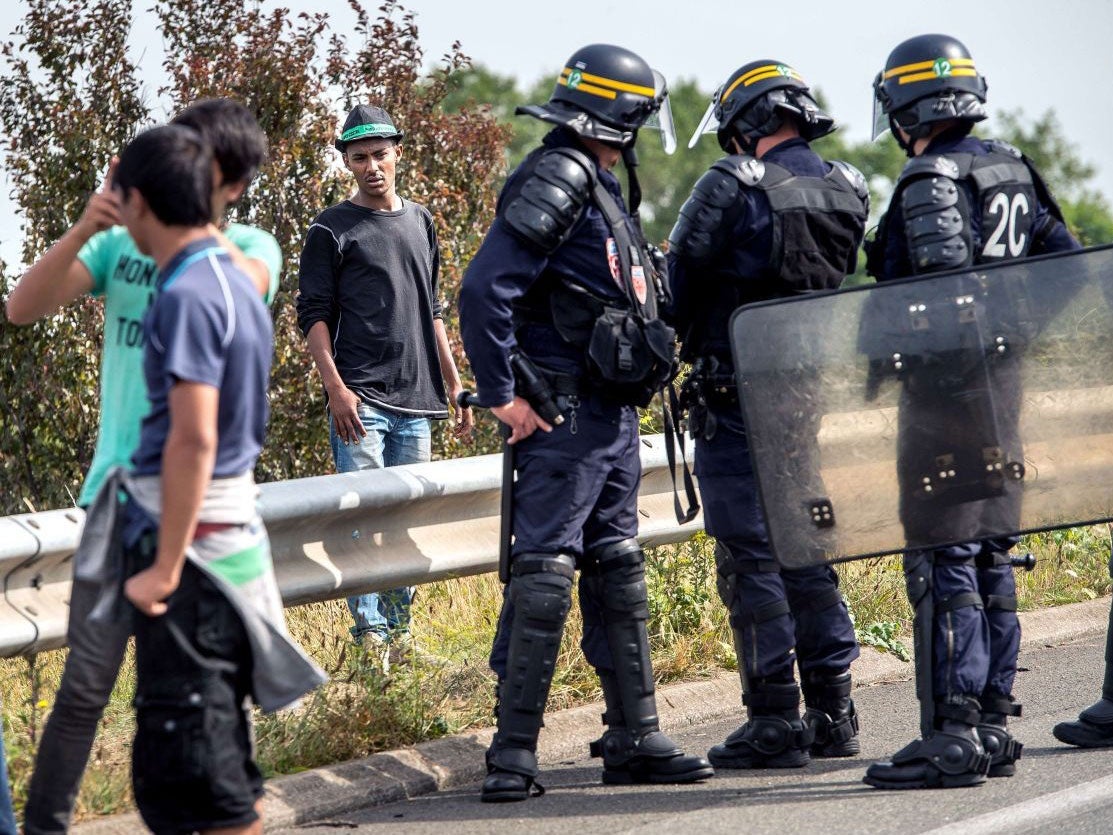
608, 93
926, 80
754, 102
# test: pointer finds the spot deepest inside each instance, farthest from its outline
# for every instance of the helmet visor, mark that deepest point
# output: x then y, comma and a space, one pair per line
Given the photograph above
661, 119
880, 117
709, 123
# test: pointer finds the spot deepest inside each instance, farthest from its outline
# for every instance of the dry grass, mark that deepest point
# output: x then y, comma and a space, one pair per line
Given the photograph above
28, 687
447, 686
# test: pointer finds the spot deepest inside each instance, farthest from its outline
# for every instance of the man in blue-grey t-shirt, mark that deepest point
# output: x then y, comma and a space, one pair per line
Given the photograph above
209, 627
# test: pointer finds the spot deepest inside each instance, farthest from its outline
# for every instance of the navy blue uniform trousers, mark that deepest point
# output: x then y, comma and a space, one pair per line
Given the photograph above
577, 489
821, 639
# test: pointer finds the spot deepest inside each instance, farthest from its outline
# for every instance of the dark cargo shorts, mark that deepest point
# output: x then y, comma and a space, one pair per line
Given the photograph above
192, 766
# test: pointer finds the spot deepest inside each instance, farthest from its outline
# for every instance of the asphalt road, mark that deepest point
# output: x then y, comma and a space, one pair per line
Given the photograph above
1056, 788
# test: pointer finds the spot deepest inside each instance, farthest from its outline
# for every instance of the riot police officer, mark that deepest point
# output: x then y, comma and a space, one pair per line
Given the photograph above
960, 200
565, 287
771, 219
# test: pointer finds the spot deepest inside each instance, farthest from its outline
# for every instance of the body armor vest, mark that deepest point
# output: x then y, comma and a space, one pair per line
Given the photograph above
628, 350
817, 222
1006, 192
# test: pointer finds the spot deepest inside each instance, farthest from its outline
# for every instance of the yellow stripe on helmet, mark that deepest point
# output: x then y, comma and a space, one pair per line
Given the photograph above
590, 89
919, 66
931, 76
760, 74
609, 83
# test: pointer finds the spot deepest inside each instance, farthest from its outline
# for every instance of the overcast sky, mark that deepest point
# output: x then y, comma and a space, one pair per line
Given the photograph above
1036, 54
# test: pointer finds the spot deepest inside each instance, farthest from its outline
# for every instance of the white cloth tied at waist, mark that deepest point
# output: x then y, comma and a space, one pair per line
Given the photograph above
281, 671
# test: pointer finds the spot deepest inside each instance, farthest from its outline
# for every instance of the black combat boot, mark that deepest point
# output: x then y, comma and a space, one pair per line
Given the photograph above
1092, 729
1094, 726
774, 737
633, 748
1002, 748
511, 775
639, 752
830, 714
951, 757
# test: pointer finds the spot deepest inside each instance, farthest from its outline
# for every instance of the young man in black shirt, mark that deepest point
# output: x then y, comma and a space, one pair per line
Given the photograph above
368, 306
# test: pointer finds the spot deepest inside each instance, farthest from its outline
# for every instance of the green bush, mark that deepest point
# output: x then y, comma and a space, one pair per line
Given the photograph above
70, 99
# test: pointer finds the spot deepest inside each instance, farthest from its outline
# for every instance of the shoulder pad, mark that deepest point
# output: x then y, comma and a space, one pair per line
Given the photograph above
743, 167
853, 176
548, 196
1004, 147
937, 165
701, 222
938, 235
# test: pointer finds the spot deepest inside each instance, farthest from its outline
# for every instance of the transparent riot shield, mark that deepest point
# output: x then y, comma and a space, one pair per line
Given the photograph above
933, 410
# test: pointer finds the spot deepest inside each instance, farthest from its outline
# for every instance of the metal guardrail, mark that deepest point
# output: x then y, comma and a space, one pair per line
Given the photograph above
331, 536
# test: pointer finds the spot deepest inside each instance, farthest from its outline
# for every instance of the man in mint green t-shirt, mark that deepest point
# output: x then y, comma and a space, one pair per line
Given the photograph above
124, 278
98, 257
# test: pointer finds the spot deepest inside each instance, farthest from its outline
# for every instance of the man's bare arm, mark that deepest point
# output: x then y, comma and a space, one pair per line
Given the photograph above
255, 269
58, 278
343, 403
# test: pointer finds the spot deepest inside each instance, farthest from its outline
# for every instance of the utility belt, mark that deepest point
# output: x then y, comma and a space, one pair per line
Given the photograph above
708, 387
549, 393
566, 385
568, 391
552, 393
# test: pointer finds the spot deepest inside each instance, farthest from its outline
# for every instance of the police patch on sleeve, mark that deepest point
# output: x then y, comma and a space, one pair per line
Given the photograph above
612, 261
637, 279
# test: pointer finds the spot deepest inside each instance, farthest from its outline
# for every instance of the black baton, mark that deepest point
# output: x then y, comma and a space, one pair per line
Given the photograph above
467, 399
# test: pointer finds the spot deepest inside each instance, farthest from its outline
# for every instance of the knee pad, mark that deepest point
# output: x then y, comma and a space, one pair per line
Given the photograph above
620, 589
620, 581
541, 587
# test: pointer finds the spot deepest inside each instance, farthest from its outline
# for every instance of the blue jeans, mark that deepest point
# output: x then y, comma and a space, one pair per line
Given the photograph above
391, 439
7, 817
